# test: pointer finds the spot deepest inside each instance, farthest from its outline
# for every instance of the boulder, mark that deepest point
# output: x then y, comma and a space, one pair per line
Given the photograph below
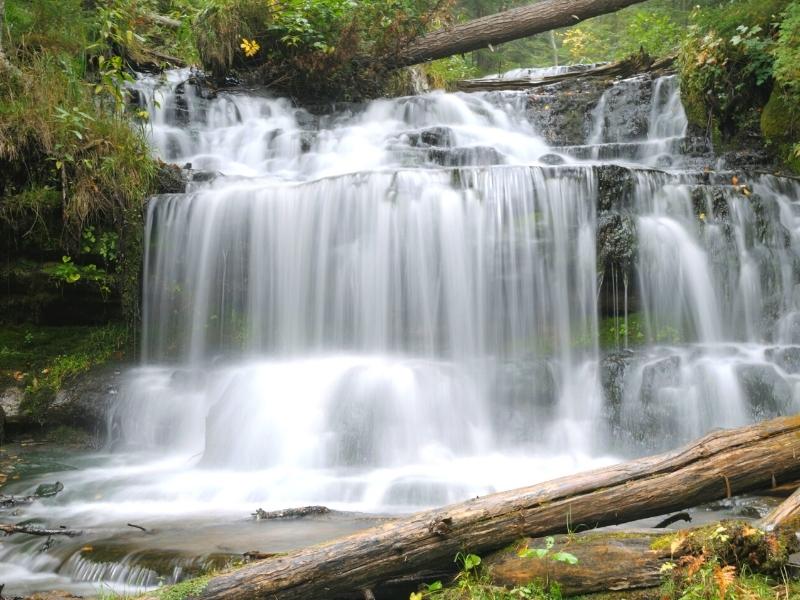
766, 390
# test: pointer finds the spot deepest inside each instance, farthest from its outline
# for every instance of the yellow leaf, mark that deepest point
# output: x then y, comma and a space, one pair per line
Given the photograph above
748, 531
676, 544
724, 577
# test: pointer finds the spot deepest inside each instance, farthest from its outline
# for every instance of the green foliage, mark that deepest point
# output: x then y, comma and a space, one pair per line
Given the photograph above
75, 167
547, 554
40, 359
321, 48
474, 583
184, 590
656, 26
444, 73
728, 561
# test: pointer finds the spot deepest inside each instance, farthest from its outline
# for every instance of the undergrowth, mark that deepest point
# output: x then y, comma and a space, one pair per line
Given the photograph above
40, 359
322, 49
739, 73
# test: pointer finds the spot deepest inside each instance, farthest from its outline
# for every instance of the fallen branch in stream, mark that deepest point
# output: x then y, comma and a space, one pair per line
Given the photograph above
291, 513
628, 67
12, 501
9, 529
719, 465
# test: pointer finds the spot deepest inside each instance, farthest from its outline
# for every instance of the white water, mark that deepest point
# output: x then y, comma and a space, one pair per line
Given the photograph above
395, 306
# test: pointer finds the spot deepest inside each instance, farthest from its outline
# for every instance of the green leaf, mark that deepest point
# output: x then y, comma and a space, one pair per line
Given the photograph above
471, 561
435, 586
566, 557
549, 542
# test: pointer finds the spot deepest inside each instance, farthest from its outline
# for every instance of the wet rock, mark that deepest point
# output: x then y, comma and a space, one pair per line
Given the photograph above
766, 391
439, 137
465, 157
615, 188
787, 358
85, 402
561, 112
170, 179
662, 373
627, 110
10, 403
203, 176
613, 369
526, 397
552, 159
617, 243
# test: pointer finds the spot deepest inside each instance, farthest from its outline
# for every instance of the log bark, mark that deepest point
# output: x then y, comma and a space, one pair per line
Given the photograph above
786, 514
719, 465
607, 561
506, 26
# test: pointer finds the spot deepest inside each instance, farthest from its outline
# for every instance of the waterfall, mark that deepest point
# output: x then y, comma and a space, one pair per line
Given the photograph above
405, 303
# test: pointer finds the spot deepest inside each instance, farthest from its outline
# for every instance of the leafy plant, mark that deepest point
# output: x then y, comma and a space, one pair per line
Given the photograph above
547, 554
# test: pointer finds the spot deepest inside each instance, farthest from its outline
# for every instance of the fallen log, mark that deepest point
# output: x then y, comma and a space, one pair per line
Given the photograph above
634, 559
9, 529
786, 514
628, 67
717, 466
520, 22
607, 561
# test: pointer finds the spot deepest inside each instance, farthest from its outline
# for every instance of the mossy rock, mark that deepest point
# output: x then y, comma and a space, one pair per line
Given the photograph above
780, 125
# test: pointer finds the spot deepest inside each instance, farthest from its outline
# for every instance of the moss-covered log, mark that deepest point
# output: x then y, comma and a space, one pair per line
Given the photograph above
717, 466
631, 560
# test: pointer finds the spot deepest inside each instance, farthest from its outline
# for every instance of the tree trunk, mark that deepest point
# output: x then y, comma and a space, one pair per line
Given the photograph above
717, 466
513, 24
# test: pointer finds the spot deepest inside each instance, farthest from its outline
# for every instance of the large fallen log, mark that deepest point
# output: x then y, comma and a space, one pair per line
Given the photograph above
717, 466
502, 27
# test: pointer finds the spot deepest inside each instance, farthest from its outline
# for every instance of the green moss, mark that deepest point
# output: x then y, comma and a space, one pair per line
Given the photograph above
780, 125
42, 358
185, 589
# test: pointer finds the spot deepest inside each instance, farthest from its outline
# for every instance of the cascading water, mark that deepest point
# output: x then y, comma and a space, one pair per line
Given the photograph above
386, 307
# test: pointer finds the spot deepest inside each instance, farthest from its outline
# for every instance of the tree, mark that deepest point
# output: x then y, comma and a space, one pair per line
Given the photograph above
506, 26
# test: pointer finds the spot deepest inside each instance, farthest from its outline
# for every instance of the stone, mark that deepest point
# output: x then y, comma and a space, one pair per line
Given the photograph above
10, 401
766, 391
786, 358
661, 373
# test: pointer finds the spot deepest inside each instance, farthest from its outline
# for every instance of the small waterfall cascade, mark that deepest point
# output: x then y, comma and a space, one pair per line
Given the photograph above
410, 302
